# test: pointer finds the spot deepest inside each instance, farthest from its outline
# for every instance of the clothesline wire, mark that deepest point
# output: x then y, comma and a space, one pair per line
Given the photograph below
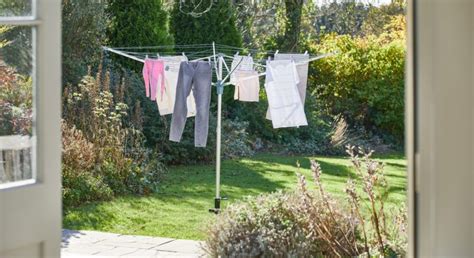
165, 46
208, 54
195, 46
198, 54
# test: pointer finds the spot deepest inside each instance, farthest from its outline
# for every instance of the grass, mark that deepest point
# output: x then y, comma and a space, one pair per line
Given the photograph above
180, 209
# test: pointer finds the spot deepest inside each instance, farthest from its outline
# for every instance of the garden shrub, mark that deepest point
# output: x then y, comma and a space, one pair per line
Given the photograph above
81, 186
278, 225
78, 152
137, 23
15, 102
219, 24
235, 139
100, 141
84, 23
310, 223
364, 82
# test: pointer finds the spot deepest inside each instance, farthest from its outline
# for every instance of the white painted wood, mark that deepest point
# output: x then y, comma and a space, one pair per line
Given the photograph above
30, 211
15, 142
442, 124
3, 176
410, 105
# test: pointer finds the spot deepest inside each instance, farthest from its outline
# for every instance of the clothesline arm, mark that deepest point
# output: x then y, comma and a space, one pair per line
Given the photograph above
118, 52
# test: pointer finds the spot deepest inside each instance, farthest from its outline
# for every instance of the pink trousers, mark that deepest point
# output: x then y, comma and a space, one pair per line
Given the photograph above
154, 72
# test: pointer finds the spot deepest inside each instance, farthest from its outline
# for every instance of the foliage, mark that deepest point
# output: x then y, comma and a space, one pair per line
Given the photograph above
364, 82
83, 34
258, 22
218, 25
16, 48
378, 17
380, 236
137, 23
311, 223
16, 113
190, 189
80, 186
277, 225
344, 18
236, 142
111, 151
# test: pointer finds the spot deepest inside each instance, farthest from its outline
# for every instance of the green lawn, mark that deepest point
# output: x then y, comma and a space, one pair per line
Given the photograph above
180, 209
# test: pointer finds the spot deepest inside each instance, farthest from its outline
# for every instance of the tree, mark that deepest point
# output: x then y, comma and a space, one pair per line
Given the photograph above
137, 23
83, 26
342, 18
217, 25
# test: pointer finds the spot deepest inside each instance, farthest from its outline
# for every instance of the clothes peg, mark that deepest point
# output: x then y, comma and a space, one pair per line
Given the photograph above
249, 55
185, 57
237, 53
306, 52
146, 56
276, 53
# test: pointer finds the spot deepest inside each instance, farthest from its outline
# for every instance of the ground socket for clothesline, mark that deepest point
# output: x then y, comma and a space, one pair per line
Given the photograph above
217, 205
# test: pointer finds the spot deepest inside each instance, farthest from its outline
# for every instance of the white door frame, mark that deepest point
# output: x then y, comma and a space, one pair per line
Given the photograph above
30, 213
440, 128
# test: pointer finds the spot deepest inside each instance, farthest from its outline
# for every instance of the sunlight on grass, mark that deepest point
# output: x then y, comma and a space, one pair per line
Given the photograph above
180, 208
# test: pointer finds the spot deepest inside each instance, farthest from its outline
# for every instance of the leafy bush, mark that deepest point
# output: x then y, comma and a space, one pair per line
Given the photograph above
309, 223
280, 225
15, 102
80, 186
364, 82
137, 23
83, 33
100, 141
219, 23
236, 142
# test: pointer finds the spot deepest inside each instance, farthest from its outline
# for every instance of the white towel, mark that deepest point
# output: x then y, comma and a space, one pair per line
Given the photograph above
284, 102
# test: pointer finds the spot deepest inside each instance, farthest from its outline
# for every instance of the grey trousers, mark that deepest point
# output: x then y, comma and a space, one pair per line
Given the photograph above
195, 76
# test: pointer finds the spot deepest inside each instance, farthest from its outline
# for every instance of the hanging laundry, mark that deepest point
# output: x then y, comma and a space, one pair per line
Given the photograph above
153, 74
245, 79
240, 63
302, 64
195, 76
284, 101
247, 86
166, 103
301, 61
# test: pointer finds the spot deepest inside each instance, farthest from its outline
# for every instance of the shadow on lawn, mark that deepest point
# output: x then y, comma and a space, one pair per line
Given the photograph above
249, 176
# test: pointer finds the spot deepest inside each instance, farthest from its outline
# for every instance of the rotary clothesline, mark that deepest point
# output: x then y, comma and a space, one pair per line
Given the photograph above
217, 62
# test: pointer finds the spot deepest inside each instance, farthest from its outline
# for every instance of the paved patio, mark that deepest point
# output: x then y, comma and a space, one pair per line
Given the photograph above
79, 244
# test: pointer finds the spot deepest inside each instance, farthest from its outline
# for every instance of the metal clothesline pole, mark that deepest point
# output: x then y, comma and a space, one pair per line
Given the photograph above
220, 90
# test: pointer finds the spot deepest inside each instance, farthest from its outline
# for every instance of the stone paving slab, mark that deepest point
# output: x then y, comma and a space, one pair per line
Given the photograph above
79, 244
